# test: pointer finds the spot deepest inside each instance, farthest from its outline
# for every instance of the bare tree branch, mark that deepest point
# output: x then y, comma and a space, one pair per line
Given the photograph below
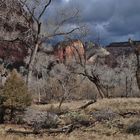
44, 9
63, 33
66, 20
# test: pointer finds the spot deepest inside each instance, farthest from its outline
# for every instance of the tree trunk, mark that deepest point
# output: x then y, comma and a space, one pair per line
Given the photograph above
31, 64
126, 86
61, 102
138, 69
100, 90
138, 77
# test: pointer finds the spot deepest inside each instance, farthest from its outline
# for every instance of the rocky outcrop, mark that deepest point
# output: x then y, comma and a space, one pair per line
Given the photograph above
14, 29
69, 51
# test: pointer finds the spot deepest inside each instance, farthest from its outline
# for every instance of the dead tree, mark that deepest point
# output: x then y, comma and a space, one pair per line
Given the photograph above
41, 37
94, 79
68, 85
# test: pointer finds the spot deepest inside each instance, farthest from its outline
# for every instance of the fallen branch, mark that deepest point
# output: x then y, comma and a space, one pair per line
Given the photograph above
126, 114
66, 129
87, 104
41, 103
12, 131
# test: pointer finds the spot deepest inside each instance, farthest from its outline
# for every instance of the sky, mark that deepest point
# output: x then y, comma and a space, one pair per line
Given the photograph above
107, 20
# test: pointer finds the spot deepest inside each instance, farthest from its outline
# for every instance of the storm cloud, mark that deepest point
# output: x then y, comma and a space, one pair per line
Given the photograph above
108, 20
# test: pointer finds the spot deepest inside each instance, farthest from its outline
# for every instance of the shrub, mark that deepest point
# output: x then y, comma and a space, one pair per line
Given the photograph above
40, 119
105, 114
76, 117
134, 128
14, 95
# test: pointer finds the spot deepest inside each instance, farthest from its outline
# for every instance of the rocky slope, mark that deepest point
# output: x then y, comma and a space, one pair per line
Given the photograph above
14, 29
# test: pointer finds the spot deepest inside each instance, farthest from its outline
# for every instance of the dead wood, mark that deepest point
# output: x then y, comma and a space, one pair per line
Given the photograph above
66, 129
12, 131
87, 104
127, 114
41, 103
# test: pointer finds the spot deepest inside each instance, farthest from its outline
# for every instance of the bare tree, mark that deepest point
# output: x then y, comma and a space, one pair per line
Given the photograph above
87, 71
94, 79
68, 85
40, 37
83, 65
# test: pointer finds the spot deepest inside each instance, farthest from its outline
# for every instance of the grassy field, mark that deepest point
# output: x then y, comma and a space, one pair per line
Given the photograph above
114, 129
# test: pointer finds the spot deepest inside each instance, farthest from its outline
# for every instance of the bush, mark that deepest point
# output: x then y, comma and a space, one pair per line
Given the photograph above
134, 128
105, 114
40, 119
76, 117
14, 95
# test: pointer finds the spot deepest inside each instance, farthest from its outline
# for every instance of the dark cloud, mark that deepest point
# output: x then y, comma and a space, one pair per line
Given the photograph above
109, 20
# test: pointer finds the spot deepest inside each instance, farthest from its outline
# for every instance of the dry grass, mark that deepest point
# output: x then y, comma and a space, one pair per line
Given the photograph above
108, 130
116, 104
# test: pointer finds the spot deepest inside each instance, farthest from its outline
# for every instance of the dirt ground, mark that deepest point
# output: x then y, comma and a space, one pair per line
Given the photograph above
114, 129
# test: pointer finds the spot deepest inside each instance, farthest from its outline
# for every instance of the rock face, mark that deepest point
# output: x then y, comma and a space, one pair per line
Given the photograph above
14, 28
13, 52
95, 52
69, 51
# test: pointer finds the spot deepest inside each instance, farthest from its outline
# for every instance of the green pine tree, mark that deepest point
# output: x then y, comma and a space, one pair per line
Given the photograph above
15, 95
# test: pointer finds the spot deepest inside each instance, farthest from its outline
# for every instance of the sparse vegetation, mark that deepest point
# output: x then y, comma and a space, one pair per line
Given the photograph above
82, 122
71, 89
39, 120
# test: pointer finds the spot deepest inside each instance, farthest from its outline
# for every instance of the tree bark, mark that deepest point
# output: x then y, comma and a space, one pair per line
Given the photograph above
31, 64
100, 90
61, 102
